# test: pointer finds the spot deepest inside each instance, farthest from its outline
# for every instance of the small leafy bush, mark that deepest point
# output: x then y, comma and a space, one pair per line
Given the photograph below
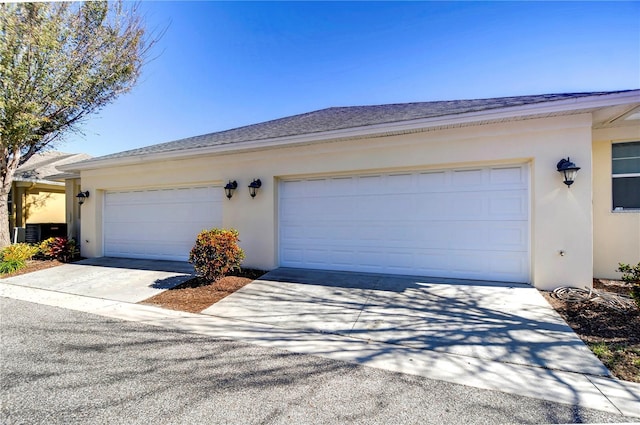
216, 253
10, 266
19, 252
61, 249
631, 274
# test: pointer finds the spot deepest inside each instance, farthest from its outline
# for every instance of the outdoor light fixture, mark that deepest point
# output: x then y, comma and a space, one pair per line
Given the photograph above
568, 170
82, 196
230, 187
254, 186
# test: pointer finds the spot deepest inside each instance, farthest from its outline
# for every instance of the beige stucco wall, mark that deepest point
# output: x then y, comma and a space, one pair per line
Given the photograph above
45, 207
560, 220
616, 235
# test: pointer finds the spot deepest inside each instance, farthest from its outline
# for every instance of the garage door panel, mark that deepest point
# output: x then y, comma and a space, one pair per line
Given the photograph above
370, 185
508, 176
292, 209
472, 205
467, 178
508, 236
508, 264
397, 205
292, 233
292, 255
432, 205
433, 263
486, 236
292, 189
469, 263
399, 184
431, 182
370, 259
334, 207
345, 186
316, 256
401, 261
507, 204
318, 232
341, 258
470, 223
159, 223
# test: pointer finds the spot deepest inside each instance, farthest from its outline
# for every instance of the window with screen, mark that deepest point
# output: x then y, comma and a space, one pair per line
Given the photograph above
626, 176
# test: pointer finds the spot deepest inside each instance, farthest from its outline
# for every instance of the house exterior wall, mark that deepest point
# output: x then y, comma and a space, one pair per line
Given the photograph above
72, 209
616, 235
45, 207
34, 203
561, 218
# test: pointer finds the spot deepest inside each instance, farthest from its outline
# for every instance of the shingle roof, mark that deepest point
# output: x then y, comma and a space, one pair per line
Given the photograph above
338, 118
43, 165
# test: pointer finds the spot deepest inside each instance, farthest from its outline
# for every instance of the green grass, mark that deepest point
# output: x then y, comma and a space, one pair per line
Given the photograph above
601, 350
618, 358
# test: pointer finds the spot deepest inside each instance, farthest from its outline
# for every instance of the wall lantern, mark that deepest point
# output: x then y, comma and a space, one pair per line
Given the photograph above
82, 196
568, 170
254, 186
230, 187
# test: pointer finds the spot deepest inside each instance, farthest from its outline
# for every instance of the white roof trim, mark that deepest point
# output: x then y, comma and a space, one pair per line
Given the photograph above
542, 108
39, 181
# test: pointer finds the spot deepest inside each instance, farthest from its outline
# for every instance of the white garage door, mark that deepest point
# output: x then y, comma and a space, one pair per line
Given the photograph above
159, 224
462, 223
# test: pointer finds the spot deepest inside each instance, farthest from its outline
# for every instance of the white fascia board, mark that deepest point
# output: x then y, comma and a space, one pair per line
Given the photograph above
512, 112
64, 176
32, 182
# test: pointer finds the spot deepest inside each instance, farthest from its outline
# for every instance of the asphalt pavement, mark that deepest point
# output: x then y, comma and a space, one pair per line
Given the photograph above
63, 366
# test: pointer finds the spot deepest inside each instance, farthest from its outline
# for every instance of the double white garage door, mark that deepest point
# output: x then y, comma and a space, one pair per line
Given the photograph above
459, 223
159, 224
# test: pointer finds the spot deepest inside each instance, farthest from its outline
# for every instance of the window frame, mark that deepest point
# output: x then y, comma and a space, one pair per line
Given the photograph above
614, 176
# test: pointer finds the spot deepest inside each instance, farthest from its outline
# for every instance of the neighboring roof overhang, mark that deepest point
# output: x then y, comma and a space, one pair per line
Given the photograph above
61, 177
27, 182
41, 185
570, 106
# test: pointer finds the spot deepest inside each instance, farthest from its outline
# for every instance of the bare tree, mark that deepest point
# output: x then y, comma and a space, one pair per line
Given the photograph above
60, 62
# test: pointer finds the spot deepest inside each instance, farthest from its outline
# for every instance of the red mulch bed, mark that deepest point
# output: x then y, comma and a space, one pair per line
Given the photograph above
197, 294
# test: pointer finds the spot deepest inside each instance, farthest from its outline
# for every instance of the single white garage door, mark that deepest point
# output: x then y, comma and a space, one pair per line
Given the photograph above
458, 223
159, 224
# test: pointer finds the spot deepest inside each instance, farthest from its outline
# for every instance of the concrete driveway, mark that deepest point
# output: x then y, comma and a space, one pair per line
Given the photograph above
486, 335
506, 323
66, 367
118, 279
492, 321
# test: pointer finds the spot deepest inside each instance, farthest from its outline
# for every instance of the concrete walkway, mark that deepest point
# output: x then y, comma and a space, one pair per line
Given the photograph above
119, 279
434, 329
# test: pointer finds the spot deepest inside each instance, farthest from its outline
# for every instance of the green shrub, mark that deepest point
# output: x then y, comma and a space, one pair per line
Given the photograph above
61, 249
19, 252
631, 274
216, 253
10, 266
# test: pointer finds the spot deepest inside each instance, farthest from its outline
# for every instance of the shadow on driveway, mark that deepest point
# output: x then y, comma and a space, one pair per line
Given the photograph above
502, 322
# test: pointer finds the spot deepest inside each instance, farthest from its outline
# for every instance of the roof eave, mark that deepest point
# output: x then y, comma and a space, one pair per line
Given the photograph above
509, 113
61, 177
27, 182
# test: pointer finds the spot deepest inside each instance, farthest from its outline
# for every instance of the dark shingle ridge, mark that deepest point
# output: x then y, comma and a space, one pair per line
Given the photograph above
339, 118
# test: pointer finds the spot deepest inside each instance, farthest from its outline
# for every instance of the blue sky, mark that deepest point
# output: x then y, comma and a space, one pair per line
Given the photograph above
222, 65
